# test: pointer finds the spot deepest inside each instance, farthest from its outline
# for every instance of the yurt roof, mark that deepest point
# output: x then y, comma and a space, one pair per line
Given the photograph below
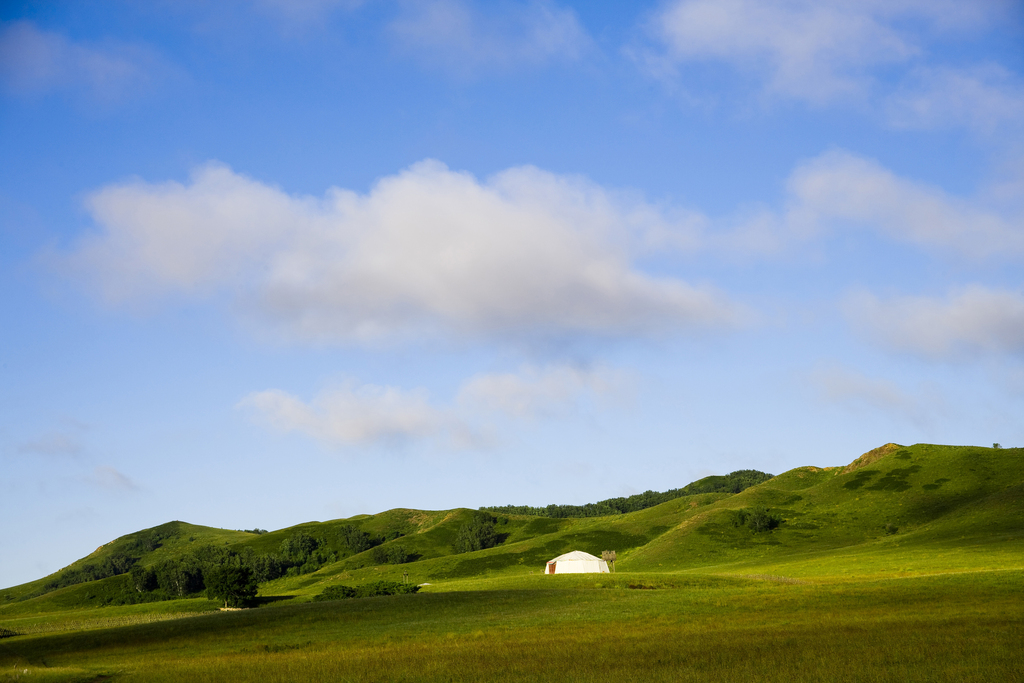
575, 555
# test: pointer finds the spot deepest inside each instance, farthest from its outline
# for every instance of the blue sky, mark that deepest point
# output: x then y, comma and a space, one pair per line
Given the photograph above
266, 262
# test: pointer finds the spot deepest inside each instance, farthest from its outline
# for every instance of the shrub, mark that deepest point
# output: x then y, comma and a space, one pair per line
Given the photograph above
757, 519
336, 593
762, 520
367, 590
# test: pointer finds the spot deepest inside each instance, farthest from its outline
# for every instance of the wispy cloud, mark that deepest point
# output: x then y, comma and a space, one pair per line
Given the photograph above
365, 414
827, 52
538, 391
109, 478
853, 390
63, 440
969, 321
465, 38
352, 414
840, 191
53, 443
983, 98
809, 50
427, 251
35, 62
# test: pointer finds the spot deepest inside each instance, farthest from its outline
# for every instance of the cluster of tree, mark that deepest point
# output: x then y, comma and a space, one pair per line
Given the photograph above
112, 565
393, 554
146, 541
367, 590
302, 554
220, 575
478, 534
733, 482
126, 552
186, 575
205, 568
236, 586
258, 531
757, 519
357, 540
198, 571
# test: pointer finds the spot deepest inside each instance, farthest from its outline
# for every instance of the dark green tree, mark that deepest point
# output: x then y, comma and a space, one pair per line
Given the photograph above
180, 577
143, 579
355, 539
379, 555
298, 547
477, 534
761, 519
236, 586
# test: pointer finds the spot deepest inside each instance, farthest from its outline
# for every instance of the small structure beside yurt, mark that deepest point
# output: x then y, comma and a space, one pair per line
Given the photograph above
576, 562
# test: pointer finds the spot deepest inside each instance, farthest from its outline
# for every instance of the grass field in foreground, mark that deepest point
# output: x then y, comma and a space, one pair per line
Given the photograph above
957, 627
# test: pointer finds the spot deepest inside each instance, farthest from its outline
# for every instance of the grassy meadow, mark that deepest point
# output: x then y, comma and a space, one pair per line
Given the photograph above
908, 565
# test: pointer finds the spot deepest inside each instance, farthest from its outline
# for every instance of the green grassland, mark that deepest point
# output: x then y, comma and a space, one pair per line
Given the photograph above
906, 565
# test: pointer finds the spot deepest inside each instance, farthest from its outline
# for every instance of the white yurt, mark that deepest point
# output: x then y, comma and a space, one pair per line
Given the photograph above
576, 562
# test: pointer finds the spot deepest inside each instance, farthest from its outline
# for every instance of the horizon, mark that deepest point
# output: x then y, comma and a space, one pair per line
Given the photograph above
269, 262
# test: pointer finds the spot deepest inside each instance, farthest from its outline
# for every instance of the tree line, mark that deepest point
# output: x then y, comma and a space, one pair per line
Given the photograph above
118, 562
734, 482
189, 574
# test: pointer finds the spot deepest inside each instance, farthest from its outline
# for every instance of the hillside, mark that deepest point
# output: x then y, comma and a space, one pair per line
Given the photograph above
916, 509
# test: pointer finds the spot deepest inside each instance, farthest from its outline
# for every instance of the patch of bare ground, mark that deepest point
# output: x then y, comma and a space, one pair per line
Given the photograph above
871, 456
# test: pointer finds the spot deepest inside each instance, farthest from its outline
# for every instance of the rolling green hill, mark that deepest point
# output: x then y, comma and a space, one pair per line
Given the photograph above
921, 508
904, 565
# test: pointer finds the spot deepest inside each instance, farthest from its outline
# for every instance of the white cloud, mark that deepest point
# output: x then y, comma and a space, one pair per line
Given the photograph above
809, 49
426, 251
841, 191
356, 414
842, 188
982, 98
463, 38
36, 62
537, 391
352, 414
839, 385
972, 320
